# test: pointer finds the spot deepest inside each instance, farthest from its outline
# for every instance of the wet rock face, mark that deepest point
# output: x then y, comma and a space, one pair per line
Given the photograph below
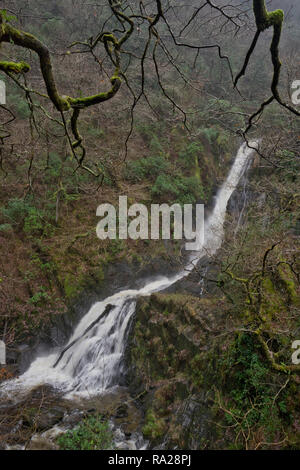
38, 410
194, 420
168, 360
71, 419
36, 421
47, 418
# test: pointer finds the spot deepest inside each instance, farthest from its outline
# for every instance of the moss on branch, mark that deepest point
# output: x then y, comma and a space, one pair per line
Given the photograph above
12, 35
269, 355
264, 20
14, 67
99, 98
62, 103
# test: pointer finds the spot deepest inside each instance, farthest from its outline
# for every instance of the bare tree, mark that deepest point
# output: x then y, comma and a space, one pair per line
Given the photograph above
137, 32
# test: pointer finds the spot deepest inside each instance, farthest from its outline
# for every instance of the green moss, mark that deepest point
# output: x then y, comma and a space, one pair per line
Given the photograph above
196, 371
276, 17
100, 274
72, 286
99, 98
272, 302
14, 67
286, 278
265, 19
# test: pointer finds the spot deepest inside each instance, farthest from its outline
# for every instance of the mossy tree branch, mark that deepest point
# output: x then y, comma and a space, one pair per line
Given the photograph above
265, 20
10, 34
14, 67
112, 45
256, 292
270, 356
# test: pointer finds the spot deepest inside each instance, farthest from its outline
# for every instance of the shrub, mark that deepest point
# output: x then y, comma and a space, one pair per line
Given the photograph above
189, 156
218, 137
95, 132
33, 223
252, 401
155, 145
155, 427
181, 189
39, 297
15, 211
116, 246
20, 212
150, 130
150, 167
5, 228
211, 134
54, 165
91, 434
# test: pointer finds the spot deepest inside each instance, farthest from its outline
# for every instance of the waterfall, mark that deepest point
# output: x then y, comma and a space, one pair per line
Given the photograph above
91, 361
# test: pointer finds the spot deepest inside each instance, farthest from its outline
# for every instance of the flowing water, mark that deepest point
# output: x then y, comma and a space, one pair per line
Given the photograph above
91, 361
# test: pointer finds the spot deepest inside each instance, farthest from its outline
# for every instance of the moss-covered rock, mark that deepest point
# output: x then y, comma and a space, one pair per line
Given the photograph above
169, 353
204, 384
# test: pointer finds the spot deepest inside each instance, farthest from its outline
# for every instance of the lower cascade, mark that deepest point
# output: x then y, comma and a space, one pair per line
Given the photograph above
92, 360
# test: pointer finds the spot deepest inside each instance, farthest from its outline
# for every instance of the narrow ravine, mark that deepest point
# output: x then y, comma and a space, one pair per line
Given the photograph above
91, 362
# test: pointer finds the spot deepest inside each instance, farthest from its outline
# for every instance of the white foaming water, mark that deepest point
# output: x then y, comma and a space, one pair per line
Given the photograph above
93, 364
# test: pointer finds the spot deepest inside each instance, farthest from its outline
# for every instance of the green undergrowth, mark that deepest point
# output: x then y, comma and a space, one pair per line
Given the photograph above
93, 433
